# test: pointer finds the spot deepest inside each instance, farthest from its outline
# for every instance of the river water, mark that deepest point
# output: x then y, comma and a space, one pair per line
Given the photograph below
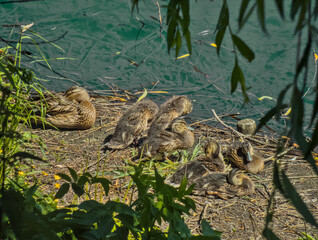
101, 39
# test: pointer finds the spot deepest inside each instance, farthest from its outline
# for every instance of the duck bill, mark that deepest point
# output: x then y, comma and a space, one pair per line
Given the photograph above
190, 128
249, 158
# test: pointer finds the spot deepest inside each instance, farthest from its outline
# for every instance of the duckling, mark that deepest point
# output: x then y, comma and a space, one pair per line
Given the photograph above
132, 124
211, 162
173, 108
246, 159
223, 185
246, 126
73, 110
243, 184
165, 142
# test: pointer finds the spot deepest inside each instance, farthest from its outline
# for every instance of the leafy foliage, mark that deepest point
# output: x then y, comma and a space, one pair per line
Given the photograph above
157, 203
78, 183
303, 14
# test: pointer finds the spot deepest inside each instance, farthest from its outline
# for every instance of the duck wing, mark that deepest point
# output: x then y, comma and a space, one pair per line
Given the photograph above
191, 170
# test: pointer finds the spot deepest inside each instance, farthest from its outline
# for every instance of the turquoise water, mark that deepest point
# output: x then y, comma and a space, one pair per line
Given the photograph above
102, 37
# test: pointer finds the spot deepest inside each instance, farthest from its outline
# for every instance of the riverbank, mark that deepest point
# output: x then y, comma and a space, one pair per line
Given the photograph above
237, 218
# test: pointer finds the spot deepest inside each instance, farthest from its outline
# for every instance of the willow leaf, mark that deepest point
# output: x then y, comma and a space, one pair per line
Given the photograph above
243, 48
219, 39
171, 32
261, 14
280, 6
243, 9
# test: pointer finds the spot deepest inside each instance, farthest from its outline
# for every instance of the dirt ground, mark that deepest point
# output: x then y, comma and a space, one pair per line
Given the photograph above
238, 217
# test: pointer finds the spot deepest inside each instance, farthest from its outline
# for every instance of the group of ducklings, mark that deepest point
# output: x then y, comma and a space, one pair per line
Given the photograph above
165, 133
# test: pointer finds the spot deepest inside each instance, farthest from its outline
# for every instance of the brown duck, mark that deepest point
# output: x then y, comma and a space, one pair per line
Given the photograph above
173, 108
243, 185
165, 142
223, 185
211, 162
71, 110
246, 159
133, 123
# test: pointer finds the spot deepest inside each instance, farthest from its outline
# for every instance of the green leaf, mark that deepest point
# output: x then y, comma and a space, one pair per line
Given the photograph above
186, 15
291, 193
297, 115
315, 12
187, 37
65, 177
221, 26
79, 191
246, 17
183, 185
223, 21
243, 9
104, 182
30, 191
172, 25
62, 191
237, 76
134, 4
218, 39
294, 8
178, 42
243, 48
82, 180
314, 111
280, 6
8, 75
304, 59
208, 231
261, 14
73, 174
301, 19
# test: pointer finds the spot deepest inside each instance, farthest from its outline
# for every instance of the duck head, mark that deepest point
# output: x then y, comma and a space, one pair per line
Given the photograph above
77, 93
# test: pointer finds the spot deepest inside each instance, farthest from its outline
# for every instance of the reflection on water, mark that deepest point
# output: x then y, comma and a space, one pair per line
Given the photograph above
103, 38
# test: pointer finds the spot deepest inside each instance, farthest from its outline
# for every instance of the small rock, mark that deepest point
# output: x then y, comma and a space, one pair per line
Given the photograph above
246, 126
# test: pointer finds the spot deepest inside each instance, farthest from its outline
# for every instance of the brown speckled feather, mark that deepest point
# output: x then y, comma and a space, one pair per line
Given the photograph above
132, 124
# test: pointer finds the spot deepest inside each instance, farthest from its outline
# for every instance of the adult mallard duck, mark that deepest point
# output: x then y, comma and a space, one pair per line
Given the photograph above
132, 124
71, 110
165, 142
224, 185
173, 108
245, 158
211, 162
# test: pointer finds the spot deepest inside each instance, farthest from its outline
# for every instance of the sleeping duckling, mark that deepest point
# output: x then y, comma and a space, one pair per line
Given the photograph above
211, 162
132, 124
224, 186
73, 110
165, 142
246, 159
243, 184
173, 108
